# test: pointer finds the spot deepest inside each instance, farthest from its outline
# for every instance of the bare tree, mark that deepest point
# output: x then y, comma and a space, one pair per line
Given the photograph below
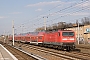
61, 25
64, 25
54, 26
85, 21
39, 29
69, 25
49, 28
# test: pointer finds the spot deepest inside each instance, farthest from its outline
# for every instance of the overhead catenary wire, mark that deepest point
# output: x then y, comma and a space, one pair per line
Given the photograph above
45, 12
67, 14
56, 12
61, 16
61, 10
52, 9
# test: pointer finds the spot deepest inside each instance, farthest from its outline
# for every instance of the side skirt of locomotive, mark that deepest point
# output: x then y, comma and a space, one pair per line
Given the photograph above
60, 46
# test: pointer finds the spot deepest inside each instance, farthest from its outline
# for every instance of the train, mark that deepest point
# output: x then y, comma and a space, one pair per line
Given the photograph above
61, 39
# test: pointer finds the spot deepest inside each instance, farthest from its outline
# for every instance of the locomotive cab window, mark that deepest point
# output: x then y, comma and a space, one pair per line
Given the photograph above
68, 34
71, 33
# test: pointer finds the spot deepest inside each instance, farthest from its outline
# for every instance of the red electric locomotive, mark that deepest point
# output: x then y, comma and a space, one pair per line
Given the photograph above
62, 39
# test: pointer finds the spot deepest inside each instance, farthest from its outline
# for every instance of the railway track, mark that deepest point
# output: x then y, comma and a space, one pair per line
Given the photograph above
85, 49
18, 54
62, 54
21, 54
67, 55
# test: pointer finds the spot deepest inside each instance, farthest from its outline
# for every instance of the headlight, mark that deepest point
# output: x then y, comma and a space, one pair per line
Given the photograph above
71, 39
64, 39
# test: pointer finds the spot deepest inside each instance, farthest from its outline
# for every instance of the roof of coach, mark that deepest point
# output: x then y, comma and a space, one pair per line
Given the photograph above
18, 35
33, 33
41, 33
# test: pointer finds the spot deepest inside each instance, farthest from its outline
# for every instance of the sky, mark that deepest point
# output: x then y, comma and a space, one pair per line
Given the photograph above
31, 14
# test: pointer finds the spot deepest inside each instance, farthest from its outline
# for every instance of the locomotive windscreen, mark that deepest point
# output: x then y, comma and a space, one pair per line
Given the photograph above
67, 33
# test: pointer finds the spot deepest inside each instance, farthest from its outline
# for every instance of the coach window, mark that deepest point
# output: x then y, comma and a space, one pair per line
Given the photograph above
58, 33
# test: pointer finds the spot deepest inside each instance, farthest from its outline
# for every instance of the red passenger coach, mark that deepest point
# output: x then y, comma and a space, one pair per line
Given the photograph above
17, 37
37, 38
40, 37
22, 38
10, 38
62, 39
33, 39
27, 38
